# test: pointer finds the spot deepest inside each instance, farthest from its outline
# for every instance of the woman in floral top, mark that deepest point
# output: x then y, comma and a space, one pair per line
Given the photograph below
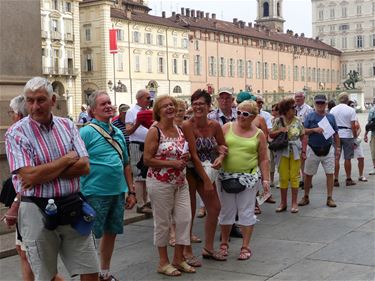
164, 155
289, 159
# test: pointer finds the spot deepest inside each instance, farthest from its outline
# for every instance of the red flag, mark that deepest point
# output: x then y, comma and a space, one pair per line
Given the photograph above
113, 41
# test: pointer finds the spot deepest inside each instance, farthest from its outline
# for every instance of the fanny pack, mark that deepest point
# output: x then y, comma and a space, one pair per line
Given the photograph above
69, 209
232, 185
321, 150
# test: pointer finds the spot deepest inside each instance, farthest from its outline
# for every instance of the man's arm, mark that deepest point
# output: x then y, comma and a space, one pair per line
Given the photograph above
79, 168
354, 129
131, 128
33, 175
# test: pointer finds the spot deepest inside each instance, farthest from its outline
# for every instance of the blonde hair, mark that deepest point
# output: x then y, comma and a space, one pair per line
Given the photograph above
157, 107
250, 106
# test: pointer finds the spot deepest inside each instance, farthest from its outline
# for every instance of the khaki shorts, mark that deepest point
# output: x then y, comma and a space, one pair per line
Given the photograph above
77, 252
312, 162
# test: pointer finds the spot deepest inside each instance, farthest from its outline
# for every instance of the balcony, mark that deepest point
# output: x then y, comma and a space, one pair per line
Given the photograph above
55, 35
44, 34
50, 71
61, 71
69, 37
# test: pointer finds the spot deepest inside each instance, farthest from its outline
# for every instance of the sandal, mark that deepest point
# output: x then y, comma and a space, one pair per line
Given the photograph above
193, 261
184, 267
257, 210
281, 209
362, 178
224, 249
169, 270
245, 254
195, 239
294, 210
349, 182
217, 256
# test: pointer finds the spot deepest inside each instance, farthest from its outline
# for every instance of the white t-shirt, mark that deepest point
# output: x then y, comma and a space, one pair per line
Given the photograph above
131, 117
344, 116
267, 117
303, 110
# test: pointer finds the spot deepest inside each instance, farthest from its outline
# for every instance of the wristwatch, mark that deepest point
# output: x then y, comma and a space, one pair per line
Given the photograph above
16, 200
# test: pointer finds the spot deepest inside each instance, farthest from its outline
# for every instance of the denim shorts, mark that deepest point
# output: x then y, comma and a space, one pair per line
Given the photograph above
109, 213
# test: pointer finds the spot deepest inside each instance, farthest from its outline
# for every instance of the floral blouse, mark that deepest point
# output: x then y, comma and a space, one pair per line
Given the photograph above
169, 149
295, 128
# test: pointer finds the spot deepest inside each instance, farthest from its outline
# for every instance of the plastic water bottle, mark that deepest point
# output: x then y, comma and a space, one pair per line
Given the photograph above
51, 215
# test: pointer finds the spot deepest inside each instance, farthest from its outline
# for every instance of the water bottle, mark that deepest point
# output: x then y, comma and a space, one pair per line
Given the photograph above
51, 215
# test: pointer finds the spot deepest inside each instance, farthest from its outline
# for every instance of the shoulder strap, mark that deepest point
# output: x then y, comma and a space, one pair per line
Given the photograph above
157, 128
109, 139
282, 121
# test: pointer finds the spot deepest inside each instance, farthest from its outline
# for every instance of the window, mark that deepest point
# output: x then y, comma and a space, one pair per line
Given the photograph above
222, 67
211, 66
136, 36
274, 71
197, 65
359, 68
54, 25
120, 34
313, 76
68, 7
289, 72
184, 43
318, 75
359, 26
249, 69
149, 64
295, 73
332, 28
89, 63
359, 10
332, 41
302, 73
148, 38
177, 90
344, 71
266, 9
174, 66
160, 40
328, 76
373, 69
240, 69
87, 29
258, 70
196, 45
265, 70
344, 43
332, 13
359, 41
185, 67
231, 68
120, 61
344, 12
343, 27
321, 29
372, 40
321, 14
161, 65
137, 65
309, 74
174, 42
323, 78
55, 4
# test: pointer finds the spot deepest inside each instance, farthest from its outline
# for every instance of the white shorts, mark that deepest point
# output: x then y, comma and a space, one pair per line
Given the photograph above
358, 151
312, 161
242, 203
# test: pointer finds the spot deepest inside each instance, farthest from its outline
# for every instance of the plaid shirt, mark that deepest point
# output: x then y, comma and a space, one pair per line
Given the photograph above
29, 143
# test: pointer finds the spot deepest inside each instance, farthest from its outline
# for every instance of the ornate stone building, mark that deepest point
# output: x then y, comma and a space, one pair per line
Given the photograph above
350, 27
152, 51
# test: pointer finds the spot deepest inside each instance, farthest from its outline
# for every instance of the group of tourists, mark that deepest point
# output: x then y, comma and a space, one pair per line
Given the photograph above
159, 160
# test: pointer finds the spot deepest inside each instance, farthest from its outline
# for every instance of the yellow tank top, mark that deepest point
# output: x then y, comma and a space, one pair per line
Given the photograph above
243, 153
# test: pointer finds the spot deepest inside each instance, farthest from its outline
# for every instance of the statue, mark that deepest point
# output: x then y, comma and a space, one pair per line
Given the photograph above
353, 78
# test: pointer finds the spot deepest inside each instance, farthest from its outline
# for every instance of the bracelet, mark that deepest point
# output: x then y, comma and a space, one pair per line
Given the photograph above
266, 181
131, 193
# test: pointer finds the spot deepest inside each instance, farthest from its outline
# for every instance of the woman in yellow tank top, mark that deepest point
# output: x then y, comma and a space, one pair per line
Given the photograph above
247, 150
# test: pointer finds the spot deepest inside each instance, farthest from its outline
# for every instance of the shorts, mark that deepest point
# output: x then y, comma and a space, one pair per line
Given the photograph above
19, 239
312, 162
109, 214
347, 144
135, 156
372, 146
77, 252
358, 152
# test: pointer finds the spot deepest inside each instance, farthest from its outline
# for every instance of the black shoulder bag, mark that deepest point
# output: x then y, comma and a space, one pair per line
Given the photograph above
280, 141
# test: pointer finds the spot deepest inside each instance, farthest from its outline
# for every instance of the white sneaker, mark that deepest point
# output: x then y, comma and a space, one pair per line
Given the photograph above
372, 172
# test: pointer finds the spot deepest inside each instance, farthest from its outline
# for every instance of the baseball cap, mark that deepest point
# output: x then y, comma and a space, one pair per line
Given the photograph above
242, 96
123, 107
320, 98
85, 223
226, 90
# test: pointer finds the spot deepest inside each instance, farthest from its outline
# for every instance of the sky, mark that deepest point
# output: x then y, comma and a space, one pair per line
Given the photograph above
297, 13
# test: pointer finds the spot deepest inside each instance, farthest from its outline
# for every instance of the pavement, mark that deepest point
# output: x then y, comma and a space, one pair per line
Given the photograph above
318, 243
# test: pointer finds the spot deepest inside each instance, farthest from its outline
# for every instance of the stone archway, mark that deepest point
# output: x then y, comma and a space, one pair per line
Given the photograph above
58, 89
152, 87
88, 89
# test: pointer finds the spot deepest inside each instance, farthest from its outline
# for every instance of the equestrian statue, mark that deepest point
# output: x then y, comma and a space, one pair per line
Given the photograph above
353, 78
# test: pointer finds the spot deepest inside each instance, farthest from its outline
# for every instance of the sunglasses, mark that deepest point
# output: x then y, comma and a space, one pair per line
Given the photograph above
320, 102
244, 113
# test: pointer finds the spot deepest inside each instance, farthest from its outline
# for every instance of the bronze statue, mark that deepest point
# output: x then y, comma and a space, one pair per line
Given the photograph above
353, 78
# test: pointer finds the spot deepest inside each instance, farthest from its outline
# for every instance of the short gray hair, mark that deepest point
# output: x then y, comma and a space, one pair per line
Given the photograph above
17, 104
140, 93
38, 84
343, 97
92, 98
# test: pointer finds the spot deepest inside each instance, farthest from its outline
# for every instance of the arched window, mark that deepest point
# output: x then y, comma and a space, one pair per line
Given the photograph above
266, 9
177, 90
278, 9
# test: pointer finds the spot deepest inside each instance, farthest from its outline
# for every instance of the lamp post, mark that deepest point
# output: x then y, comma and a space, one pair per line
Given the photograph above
119, 88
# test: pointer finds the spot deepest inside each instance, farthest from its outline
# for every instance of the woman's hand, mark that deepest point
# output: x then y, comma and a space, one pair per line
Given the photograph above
218, 162
130, 202
222, 149
283, 130
185, 156
266, 187
178, 164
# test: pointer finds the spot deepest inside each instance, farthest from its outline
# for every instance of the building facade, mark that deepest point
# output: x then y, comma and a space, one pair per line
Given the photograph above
242, 55
61, 53
152, 51
350, 27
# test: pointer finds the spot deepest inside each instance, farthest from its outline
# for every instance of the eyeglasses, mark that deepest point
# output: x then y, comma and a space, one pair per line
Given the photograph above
260, 102
244, 113
195, 104
320, 102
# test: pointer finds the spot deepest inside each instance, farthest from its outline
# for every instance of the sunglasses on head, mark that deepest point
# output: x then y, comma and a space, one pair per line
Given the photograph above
244, 113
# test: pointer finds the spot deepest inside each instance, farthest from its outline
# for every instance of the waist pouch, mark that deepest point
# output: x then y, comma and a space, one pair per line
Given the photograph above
321, 150
69, 209
232, 185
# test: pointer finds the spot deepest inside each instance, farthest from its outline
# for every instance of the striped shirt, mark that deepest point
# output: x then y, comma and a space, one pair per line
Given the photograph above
118, 123
29, 143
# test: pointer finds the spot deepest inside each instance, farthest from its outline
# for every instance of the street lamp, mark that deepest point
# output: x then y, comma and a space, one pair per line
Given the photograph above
119, 88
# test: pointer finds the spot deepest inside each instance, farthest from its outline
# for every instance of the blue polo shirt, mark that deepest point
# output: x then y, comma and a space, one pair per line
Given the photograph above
311, 121
106, 167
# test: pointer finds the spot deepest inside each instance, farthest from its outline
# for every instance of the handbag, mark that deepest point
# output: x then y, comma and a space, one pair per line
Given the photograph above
280, 141
232, 185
